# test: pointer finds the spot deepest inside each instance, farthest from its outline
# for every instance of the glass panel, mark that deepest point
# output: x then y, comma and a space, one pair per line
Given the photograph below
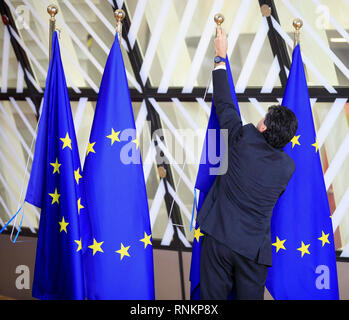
87, 34
17, 130
12, 64
331, 149
324, 36
159, 33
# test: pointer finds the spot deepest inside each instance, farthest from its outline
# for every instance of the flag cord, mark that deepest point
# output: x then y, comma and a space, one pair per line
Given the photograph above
180, 178
20, 204
179, 181
207, 86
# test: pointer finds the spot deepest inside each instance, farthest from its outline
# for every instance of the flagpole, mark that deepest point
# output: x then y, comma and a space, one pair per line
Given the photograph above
297, 24
52, 10
119, 15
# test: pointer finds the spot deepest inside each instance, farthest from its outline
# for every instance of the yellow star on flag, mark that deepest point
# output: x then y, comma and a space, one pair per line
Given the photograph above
114, 136
146, 240
315, 145
63, 225
279, 244
66, 141
136, 142
55, 197
295, 141
96, 246
80, 206
324, 238
123, 251
77, 175
197, 234
79, 245
55, 166
304, 249
90, 148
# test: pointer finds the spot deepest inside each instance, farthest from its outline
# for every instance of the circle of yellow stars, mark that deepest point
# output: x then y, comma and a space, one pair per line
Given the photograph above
114, 137
295, 141
95, 246
63, 224
304, 248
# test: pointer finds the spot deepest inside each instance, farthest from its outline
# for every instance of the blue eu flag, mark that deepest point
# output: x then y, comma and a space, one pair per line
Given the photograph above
55, 187
205, 180
119, 260
304, 261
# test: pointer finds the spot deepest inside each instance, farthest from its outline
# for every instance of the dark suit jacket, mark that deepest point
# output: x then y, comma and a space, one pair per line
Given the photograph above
238, 208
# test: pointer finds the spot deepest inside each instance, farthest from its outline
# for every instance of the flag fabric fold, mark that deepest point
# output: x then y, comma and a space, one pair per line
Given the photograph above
118, 263
204, 181
304, 261
54, 187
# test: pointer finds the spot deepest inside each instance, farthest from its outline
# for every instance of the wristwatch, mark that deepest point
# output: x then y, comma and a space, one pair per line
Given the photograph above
219, 59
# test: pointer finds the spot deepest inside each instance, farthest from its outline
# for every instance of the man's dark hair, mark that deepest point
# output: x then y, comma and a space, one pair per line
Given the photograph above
281, 125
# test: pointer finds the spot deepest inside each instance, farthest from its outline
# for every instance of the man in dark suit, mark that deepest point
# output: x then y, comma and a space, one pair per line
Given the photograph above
236, 214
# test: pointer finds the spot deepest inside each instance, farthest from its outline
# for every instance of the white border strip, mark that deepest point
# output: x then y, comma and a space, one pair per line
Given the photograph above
13, 126
337, 162
30, 55
9, 145
136, 21
168, 235
257, 106
20, 79
252, 56
175, 196
5, 60
141, 118
307, 62
9, 192
202, 47
148, 163
173, 163
334, 22
204, 105
65, 52
9, 168
154, 40
156, 204
237, 25
182, 237
185, 114
272, 77
87, 26
316, 37
174, 131
177, 45
23, 117
340, 211
330, 120
80, 110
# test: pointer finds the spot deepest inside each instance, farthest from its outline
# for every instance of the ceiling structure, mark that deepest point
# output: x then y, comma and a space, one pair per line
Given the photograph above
168, 53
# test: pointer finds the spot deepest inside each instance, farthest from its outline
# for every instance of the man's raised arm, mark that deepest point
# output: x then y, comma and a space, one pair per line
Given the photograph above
222, 99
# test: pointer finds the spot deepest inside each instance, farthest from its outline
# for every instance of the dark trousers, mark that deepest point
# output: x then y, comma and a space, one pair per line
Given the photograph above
222, 270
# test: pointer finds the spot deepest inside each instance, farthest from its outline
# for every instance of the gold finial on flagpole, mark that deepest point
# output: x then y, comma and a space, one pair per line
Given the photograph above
265, 10
297, 24
218, 19
119, 15
52, 10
